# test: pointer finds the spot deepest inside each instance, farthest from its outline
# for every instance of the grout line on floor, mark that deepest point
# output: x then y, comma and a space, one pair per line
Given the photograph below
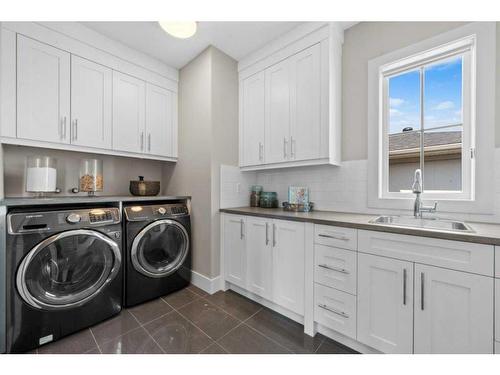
269, 338
98, 347
232, 329
147, 332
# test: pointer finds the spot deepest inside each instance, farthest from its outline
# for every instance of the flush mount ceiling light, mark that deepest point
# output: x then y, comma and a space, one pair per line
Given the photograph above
182, 30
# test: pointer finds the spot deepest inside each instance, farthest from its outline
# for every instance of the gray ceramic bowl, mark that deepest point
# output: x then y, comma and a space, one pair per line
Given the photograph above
144, 188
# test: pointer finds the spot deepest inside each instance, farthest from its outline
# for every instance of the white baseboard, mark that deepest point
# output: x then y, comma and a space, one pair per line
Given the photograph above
205, 283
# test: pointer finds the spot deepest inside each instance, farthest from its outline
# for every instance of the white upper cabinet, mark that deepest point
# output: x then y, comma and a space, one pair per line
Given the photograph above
252, 114
160, 121
43, 92
277, 124
305, 104
385, 304
300, 102
91, 88
129, 102
453, 311
288, 264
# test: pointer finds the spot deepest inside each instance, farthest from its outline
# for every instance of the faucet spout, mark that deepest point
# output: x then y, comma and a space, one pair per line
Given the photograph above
418, 207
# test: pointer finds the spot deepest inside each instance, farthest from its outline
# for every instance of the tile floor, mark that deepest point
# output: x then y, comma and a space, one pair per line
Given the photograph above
191, 321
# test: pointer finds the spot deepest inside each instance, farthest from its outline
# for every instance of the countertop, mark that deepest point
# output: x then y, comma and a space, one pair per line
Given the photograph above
484, 233
31, 201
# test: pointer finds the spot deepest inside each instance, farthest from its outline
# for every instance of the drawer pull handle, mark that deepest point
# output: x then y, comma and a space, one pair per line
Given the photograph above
332, 310
422, 291
342, 238
338, 269
404, 286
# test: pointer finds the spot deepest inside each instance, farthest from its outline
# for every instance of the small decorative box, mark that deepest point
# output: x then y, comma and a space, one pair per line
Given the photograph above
298, 195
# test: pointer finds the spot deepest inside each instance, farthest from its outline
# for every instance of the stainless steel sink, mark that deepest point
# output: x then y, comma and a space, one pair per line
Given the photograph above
423, 223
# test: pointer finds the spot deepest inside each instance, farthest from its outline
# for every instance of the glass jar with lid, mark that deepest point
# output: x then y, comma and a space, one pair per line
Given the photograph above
41, 174
91, 176
255, 195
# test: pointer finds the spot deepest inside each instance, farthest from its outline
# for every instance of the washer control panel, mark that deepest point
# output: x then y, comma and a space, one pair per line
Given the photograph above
155, 211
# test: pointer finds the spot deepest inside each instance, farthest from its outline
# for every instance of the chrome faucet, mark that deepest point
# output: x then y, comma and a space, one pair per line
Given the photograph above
418, 207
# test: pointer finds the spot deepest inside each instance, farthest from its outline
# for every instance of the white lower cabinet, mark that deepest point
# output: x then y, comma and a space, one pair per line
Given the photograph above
453, 311
234, 245
335, 268
335, 310
385, 303
288, 265
497, 309
259, 257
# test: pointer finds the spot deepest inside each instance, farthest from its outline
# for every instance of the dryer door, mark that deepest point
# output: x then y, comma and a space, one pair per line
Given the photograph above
160, 248
67, 269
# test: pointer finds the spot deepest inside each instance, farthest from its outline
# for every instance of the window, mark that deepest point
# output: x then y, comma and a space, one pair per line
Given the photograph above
426, 107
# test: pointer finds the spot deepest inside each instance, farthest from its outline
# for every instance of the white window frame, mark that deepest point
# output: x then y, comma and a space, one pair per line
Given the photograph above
463, 47
480, 39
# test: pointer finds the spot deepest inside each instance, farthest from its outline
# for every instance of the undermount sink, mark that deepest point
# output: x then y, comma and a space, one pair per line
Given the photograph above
423, 223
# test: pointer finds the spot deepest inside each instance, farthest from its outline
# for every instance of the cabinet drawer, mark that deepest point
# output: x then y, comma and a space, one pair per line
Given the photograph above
462, 256
345, 238
335, 309
335, 268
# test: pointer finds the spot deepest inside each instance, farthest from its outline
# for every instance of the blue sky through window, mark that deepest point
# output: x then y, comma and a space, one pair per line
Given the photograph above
442, 97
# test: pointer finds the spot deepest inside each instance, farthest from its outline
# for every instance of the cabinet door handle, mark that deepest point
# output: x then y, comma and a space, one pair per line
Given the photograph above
142, 141
292, 148
285, 142
342, 238
75, 130
64, 127
338, 269
241, 229
422, 291
261, 147
149, 142
267, 234
61, 124
332, 310
274, 235
404, 286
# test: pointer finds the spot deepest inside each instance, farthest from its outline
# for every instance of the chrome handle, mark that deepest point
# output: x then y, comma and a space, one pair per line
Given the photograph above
241, 229
342, 238
267, 234
331, 309
75, 130
61, 128
149, 142
404, 286
292, 148
261, 151
64, 128
142, 141
422, 291
284, 147
274, 235
338, 269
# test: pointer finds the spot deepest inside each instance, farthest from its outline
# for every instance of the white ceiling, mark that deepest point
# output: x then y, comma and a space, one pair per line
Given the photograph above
237, 39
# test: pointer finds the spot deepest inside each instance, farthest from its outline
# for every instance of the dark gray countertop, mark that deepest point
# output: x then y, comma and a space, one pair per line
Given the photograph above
30, 201
484, 233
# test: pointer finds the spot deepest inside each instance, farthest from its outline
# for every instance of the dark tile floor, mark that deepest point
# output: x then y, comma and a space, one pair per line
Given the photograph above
191, 321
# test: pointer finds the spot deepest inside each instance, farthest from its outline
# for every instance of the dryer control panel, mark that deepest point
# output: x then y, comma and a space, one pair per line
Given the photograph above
155, 211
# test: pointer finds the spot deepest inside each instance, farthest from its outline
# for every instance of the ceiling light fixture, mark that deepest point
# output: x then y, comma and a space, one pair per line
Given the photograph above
182, 30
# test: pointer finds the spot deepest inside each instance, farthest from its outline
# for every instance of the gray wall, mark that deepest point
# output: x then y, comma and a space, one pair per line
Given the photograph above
118, 171
208, 137
362, 43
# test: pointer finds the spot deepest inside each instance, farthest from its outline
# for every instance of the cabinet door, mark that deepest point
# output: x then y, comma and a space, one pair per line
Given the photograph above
259, 257
43, 91
385, 303
159, 121
90, 103
453, 311
277, 148
234, 250
252, 120
288, 240
129, 95
305, 91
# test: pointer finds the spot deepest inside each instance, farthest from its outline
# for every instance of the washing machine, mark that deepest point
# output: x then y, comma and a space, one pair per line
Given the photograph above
64, 272
158, 251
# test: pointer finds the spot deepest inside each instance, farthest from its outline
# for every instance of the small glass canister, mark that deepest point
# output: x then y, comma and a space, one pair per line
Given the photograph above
91, 176
255, 195
41, 174
268, 199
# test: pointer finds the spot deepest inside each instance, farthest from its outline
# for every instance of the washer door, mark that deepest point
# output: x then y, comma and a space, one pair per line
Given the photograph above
160, 248
68, 269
